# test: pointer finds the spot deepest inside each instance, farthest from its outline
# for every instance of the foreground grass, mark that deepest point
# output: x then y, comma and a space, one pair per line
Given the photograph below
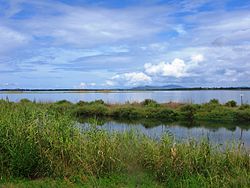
113, 181
40, 145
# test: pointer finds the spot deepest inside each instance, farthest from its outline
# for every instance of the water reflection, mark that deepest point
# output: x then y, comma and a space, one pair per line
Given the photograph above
218, 133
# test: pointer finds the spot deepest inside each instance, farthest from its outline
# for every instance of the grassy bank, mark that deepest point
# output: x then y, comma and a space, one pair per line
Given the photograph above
151, 110
39, 143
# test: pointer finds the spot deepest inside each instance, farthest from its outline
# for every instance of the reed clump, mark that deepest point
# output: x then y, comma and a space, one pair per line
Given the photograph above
37, 141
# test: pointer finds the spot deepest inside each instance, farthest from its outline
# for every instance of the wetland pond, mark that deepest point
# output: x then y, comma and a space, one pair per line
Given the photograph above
216, 133
220, 134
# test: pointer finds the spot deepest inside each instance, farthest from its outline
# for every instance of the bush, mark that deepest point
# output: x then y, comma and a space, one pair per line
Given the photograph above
91, 110
161, 113
97, 102
62, 106
220, 115
188, 112
242, 116
150, 103
25, 101
167, 114
211, 105
244, 106
81, 103
64, 102
214, 101
126, 112
231, 103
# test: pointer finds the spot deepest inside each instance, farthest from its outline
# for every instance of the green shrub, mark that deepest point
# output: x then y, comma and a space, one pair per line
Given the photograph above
167, 114
81, 103
210, 106
96, 102
63, 107
214, 101
161, 113
64, 102
100, 101
91, 110
188, 112
126, 112
242, 116
231, 103
244, 106
25, 101
150, 103
219, 115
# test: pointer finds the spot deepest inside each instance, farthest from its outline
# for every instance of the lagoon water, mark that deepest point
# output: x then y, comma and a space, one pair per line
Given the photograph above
200, 96
217, 134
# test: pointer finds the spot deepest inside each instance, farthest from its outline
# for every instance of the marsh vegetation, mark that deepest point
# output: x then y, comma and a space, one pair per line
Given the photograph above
150, 109
39, 142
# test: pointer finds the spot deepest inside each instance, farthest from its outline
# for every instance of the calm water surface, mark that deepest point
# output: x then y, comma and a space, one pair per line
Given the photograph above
217, 135
201, 96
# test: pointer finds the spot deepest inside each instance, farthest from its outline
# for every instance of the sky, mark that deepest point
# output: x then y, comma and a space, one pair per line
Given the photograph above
124, 43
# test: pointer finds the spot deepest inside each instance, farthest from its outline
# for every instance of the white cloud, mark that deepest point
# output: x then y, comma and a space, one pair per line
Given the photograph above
11, 39
180, 29
231, 28
7, 84
132, 78
109, 83
221, 65
230, 72
84, 85
177, 68
197, 58
86, 25
63, 37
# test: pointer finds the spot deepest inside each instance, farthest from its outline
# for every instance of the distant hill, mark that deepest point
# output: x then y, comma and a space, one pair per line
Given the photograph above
158, 87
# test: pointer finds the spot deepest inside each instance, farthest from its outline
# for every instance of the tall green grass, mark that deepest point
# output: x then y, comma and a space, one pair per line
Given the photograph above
37, 141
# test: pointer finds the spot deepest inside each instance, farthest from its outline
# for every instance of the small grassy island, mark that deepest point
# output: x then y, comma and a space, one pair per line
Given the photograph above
40, 145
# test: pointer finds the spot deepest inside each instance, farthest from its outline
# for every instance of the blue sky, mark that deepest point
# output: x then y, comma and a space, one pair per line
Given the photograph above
121, 44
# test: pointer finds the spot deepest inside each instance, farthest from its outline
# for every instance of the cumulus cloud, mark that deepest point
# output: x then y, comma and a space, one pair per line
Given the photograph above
132, 78
177, 68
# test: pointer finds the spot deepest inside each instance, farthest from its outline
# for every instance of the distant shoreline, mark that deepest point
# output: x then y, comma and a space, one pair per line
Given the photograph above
122, 90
